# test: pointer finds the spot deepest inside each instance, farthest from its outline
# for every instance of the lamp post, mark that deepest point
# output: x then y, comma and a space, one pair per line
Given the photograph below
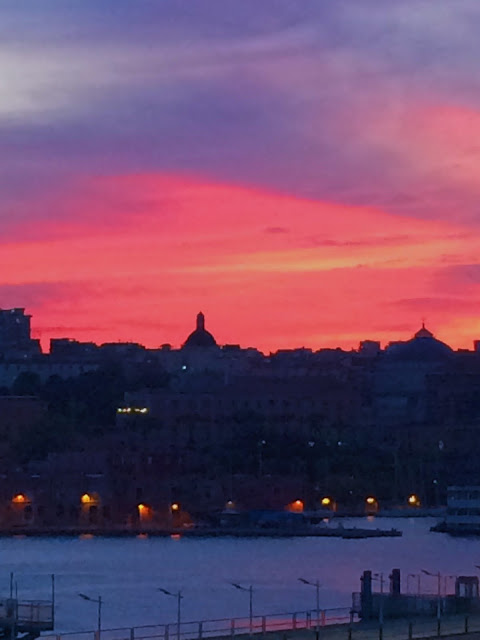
98, 601
179, 597
315, 584
250, 608
439, 590
260, 445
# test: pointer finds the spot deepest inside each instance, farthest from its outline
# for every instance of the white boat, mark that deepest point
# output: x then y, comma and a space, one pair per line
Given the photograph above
463, 511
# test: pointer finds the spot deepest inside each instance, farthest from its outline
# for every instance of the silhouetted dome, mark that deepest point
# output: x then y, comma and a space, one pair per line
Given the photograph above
200, 337
422, 347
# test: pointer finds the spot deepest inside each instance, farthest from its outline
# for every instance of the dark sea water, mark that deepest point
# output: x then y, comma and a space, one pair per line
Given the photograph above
127, 572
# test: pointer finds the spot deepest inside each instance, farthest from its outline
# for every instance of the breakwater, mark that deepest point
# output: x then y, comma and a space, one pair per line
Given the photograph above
206, 532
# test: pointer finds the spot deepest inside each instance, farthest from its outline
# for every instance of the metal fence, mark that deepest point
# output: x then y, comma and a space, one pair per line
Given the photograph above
220, 628
331, 624
34, 613
410, 628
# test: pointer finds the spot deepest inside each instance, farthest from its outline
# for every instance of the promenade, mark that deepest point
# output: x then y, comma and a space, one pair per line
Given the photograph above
295, 628
456, 626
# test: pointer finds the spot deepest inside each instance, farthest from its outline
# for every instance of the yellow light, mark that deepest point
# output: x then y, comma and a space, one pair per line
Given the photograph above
230, 504
326, 501
175, 506
86, 498
413, 499
370, 500
19, 498
141, 507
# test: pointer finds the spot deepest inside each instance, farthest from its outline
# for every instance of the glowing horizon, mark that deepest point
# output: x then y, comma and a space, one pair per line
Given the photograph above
303, 179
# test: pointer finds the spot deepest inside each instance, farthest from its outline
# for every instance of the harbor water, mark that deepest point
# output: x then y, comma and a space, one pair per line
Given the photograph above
128, 572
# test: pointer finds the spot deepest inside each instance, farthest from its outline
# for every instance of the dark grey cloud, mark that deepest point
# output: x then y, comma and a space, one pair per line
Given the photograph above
274, 94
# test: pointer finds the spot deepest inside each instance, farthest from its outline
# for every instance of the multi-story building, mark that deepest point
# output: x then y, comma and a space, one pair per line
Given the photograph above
15, 338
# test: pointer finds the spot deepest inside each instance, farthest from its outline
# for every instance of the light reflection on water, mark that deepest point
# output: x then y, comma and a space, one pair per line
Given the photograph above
127, 572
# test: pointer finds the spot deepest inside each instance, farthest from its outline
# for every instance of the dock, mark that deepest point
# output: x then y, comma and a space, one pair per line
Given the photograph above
205, 532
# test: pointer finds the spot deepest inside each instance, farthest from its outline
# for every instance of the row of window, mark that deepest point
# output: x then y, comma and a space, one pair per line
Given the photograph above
462, 494
249, 404
464, 512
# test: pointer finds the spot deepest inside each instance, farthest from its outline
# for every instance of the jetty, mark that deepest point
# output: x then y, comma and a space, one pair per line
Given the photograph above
283, 531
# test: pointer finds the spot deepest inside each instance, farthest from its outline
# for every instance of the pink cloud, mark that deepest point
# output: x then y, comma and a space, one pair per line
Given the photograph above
194, 245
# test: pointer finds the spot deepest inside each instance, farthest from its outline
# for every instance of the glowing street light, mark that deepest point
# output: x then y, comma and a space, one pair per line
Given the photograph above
250, 592
98, 601
179, 597
315, 584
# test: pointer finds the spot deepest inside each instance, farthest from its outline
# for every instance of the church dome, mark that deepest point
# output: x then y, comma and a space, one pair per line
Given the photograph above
423, 347
200, 337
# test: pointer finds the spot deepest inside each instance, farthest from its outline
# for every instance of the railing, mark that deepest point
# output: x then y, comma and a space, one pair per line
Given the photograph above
220, 628
35, 613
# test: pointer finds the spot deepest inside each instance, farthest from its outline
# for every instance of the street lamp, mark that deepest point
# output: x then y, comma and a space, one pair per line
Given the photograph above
179, 597
98, 601
250, 592
439, 583
260, 445
315, 584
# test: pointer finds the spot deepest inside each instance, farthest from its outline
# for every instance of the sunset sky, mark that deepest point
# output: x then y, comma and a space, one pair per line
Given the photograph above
306, 173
